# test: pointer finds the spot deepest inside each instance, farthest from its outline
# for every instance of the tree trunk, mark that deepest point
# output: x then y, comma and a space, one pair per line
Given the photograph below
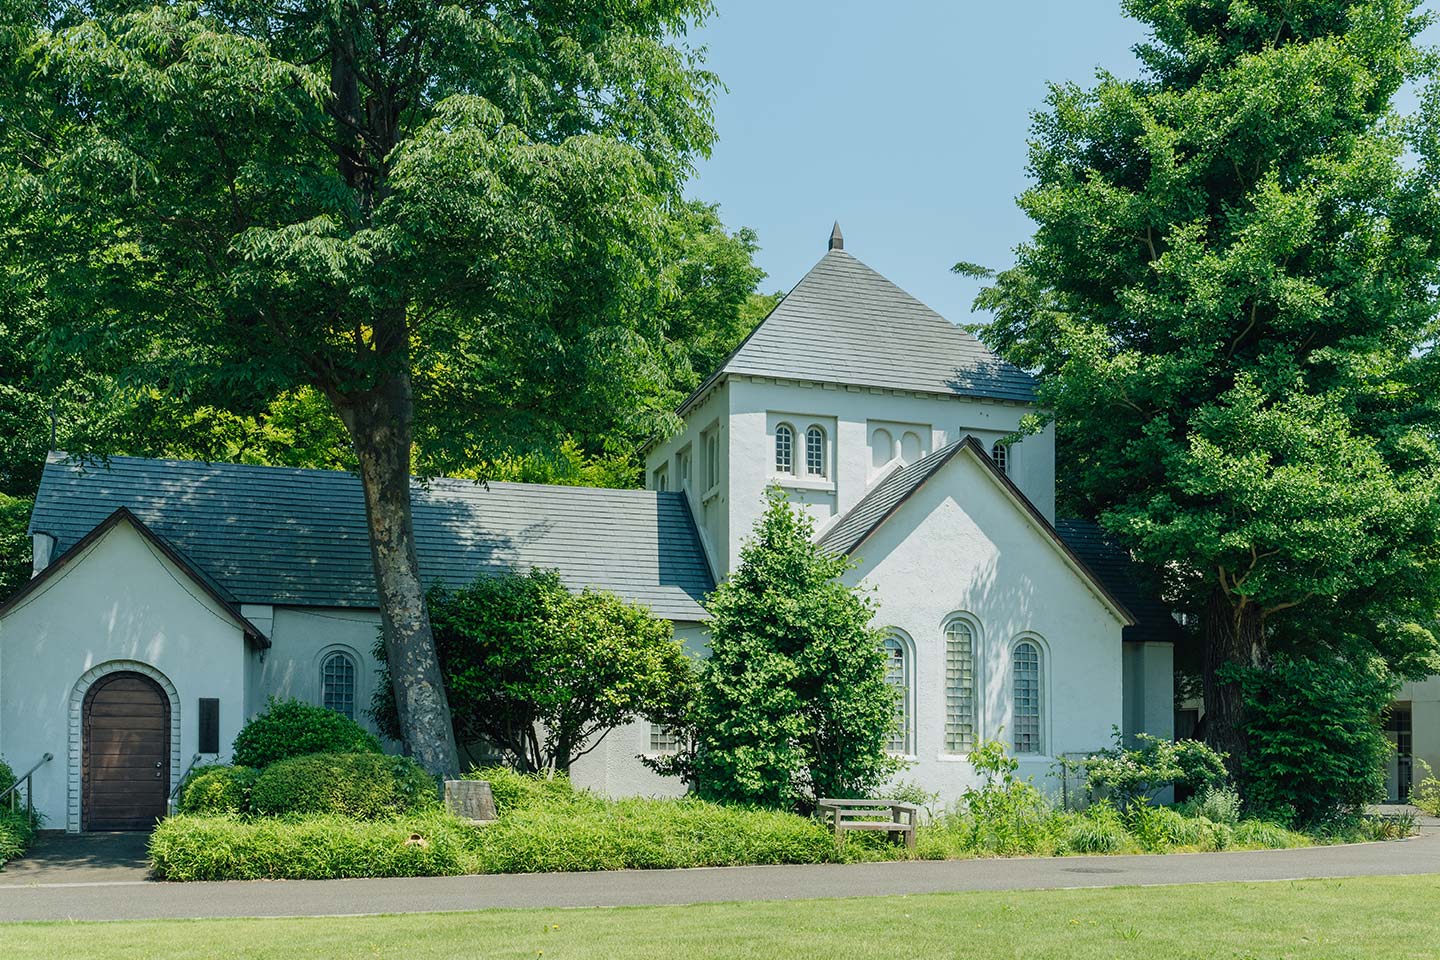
379, 422
1232, 636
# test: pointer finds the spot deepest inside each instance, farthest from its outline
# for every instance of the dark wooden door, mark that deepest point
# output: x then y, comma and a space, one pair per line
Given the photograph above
126, 753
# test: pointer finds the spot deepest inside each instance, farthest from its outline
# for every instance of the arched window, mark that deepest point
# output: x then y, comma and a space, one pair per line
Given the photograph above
1001, 455
959, 687
784, 449
337, 683
897, 674
815, 452
1025, 672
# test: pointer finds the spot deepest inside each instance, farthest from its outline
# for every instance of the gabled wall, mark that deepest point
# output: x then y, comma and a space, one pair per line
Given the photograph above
121, 601
960, 545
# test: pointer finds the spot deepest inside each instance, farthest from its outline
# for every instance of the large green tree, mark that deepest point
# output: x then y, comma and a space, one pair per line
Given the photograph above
437, 215
792, 704
1230, 302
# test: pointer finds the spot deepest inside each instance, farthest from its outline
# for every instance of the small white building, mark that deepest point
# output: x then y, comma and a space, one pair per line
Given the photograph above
170, 599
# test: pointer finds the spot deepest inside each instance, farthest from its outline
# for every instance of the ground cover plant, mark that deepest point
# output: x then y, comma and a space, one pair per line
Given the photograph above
1369, 918
17, 827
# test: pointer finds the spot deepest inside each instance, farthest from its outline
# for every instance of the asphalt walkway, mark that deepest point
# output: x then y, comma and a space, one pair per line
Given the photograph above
140, 899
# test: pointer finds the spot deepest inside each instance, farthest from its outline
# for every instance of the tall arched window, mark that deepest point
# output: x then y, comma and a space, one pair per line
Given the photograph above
959, 687
784, 449
815, 452
897, 674
337, 683
1025, 671
1001, 455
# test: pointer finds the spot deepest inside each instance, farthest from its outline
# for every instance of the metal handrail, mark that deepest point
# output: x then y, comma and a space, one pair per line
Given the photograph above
175, 791
13, 790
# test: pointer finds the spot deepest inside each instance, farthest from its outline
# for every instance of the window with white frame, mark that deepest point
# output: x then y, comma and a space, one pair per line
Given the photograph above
959, 686
784, 449
897, 674
1026, 706
663, 739
815, 451
337, 683
1001, 455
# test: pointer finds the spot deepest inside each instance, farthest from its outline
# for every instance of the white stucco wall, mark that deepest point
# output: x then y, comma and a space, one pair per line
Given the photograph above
121, 602
301, 638
1424, 699
709, 504
959, 545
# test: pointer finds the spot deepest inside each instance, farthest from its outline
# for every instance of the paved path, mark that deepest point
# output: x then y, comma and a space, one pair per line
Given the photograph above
145, 900
56, 857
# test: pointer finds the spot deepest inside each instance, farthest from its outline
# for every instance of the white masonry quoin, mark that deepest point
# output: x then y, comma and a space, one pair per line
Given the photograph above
208, 588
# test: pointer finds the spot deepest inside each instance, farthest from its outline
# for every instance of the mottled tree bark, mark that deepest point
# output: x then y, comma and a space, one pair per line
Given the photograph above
1233, 635
380, 424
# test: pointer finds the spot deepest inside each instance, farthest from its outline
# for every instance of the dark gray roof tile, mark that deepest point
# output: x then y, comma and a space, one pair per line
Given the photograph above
278, 535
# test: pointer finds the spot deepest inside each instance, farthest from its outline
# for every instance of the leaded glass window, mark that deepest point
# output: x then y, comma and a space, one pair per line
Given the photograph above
959, 687
1025, 669
337, 684
897, 674
815, 452
784, 449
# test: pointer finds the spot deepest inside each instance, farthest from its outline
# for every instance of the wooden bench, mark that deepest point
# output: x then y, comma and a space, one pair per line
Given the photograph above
889, 816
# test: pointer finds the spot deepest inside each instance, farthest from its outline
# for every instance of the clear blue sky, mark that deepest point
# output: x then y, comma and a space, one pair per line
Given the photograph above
906, 121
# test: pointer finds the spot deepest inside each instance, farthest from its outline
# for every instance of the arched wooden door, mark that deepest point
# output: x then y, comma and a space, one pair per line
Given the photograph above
126, 753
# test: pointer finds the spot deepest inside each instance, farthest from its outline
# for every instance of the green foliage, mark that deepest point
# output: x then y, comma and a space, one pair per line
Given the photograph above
1425, 794
1160, 829
1229, 300
14, 543
1126, 775
1316, 745
217, 790
1099, 830
363, 786
1218, 804
793, 703
1006, 815
514, 790
543, 673
590, 834
290, 728
7, 776
312, 848
17, 829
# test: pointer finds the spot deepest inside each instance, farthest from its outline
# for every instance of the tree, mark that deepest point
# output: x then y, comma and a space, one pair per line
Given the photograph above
792, 703
545, 674
437, 215
1229, 301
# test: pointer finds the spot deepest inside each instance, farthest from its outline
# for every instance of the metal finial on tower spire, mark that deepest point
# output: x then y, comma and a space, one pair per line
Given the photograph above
837, 239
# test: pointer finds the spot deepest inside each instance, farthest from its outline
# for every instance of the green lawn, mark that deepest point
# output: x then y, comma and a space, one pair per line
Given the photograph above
1361, 918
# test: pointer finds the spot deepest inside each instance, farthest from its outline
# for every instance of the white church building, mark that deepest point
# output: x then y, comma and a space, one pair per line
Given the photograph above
171, 599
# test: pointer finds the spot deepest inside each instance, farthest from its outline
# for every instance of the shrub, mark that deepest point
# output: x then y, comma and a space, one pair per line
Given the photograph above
1315, 743
1128, 775
647, 834
1267, 835
17, 829
1098, 830
315, 848
1426, 793
217, 790
1216, 804
520, 791
1159, 829
291, 728
366, 786
7, 776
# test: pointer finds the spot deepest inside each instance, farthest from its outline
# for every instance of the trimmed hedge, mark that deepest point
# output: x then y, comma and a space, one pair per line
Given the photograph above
647, 834
313, 848
217, 790
363, 786
292, 728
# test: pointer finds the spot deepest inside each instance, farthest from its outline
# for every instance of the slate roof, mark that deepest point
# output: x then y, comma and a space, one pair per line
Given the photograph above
284, 536
846, 324
877, 506
1123, 578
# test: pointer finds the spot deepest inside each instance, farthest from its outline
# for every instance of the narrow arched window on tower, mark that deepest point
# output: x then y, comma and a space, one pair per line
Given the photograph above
1001, 455
337, 684
784, 449
815, 452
